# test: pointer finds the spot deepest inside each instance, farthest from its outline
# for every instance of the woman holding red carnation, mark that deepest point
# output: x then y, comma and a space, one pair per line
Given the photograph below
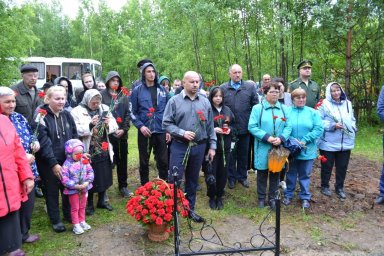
223, 120
338, 139
94, 123
54, 129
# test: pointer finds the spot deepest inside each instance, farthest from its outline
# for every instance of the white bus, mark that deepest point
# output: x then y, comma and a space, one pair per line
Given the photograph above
51, 68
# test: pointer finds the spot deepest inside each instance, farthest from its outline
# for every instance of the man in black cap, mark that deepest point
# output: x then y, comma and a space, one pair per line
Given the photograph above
311, 87
27, 98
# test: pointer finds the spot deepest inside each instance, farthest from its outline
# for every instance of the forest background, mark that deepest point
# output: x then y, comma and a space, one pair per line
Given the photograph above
343, 38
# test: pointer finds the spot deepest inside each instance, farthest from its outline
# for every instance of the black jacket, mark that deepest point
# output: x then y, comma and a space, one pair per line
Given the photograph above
228, 115
122, 109
240, 102
53, 134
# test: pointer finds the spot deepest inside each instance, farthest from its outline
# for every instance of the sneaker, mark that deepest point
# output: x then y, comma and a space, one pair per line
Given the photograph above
85, 225
326, 191
305, 204
124, 192
286, 201
341, 194
77, 229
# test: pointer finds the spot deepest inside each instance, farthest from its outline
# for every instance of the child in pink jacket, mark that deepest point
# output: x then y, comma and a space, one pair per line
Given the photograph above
77, 179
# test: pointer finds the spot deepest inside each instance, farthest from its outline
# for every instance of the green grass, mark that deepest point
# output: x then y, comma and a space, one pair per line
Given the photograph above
369, 143
238, 202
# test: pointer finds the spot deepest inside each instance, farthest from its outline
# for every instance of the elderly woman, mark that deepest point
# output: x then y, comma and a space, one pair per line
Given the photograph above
54, 128
94, 122
16, 183
30, 145
269, 127
338, 138
307, 128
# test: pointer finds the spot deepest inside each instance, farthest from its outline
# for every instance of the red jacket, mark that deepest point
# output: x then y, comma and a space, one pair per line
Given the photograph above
14, 168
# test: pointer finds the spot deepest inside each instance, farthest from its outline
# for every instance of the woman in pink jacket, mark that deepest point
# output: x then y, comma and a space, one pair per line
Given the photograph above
16, 181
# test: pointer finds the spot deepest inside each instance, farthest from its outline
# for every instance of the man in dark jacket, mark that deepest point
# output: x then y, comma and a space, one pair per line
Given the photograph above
240, 96
121, 112
148, 101
27, 98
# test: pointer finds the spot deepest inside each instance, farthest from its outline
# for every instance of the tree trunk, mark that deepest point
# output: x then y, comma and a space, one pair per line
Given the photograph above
348, 54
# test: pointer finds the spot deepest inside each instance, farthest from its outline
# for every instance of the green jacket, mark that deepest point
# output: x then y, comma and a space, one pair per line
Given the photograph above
312, 90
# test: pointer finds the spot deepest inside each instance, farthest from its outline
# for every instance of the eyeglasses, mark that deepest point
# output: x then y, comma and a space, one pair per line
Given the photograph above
273, 92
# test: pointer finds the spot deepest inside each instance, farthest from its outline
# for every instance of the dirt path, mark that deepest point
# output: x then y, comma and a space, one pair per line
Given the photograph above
331, 227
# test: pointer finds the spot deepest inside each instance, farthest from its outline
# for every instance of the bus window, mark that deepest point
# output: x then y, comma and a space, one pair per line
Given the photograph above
41, 67
53, 71
97, 71
74, 70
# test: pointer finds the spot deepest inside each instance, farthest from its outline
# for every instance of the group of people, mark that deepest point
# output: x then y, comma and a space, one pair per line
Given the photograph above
72, 142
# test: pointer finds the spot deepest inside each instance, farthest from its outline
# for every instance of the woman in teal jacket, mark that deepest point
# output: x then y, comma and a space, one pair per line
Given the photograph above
268, 124
307, 127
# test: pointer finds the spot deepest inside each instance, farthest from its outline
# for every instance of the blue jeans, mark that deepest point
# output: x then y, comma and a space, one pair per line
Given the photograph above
238, 162
382, 182
301, 169
191, 170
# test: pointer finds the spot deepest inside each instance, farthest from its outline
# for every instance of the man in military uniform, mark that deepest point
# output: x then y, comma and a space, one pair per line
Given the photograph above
311, 87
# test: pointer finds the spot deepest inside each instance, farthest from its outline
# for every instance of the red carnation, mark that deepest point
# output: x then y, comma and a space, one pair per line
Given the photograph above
275, 117
42, 112
85, 161
104, 146
41, 94
149, 115
322, 159
159, 221
114, 87
78, 156
283, 119
119, 120
151, 110
125, 91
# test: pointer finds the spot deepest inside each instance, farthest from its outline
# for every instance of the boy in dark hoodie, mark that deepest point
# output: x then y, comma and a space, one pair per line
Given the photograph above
148, 101
88, 83
121, 112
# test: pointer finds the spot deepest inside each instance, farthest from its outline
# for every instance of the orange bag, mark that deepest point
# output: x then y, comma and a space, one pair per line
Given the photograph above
277, 157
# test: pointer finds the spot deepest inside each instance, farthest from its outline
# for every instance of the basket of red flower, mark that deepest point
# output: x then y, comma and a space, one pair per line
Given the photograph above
152, 206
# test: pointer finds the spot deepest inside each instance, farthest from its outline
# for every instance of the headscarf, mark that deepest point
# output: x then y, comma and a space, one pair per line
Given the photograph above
88, 95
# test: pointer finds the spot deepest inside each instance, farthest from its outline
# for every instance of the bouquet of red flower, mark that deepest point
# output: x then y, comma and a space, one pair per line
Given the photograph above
201, 120
154, 203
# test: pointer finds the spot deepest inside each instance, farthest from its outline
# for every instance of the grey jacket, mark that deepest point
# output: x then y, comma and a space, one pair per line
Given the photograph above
25, 105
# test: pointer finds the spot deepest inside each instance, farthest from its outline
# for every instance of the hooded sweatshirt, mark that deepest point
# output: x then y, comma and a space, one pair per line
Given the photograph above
79, 97
75, 172
122, 110
332, 111
69, 103
141, 101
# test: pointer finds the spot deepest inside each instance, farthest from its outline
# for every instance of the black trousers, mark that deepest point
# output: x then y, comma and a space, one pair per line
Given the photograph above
237, 168
10, 234
120, 150
338, 158
25, 212
221, 174
52, 188
262, 180
158, 143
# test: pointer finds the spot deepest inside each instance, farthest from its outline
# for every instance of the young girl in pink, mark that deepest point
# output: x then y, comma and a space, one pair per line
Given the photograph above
77, 179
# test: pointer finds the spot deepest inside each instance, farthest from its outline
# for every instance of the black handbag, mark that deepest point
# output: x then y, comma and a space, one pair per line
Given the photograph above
294, 146
209, 177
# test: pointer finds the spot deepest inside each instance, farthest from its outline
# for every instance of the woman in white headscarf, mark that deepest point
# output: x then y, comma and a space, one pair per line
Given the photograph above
94, 122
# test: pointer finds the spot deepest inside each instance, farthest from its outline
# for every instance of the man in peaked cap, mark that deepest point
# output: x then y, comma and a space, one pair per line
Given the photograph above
27, 98
311, 87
